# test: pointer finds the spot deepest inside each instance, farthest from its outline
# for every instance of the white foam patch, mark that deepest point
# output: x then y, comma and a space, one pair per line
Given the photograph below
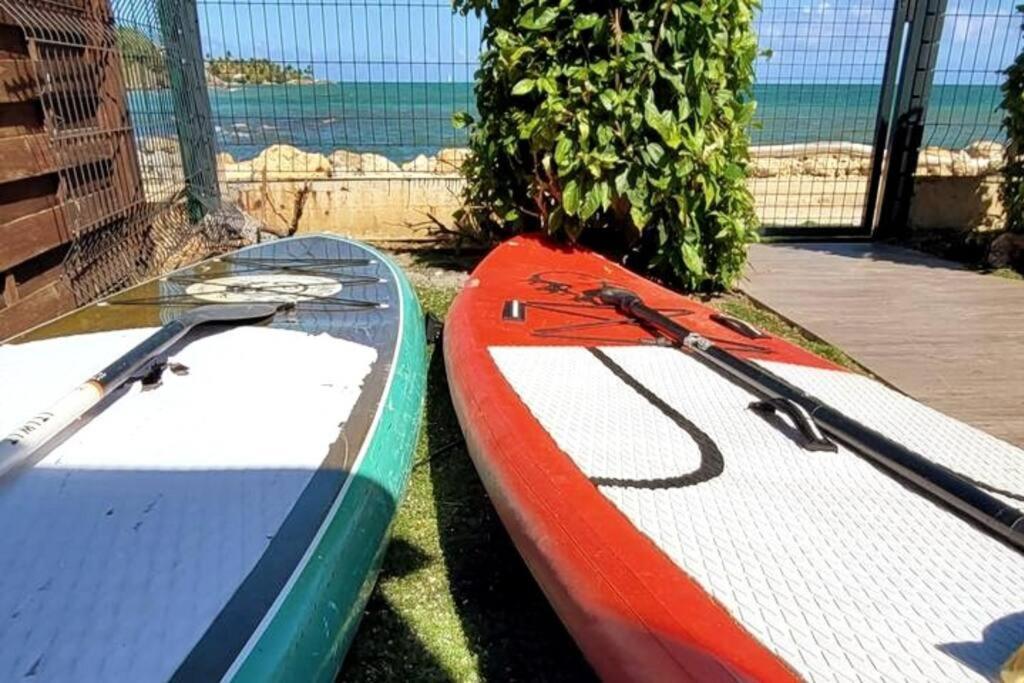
831, 564
122, 544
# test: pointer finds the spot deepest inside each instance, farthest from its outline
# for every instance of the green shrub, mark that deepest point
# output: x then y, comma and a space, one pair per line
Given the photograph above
624, 120
1013, 122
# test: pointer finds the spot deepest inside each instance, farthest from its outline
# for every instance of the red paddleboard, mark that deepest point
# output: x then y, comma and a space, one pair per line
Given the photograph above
682, 535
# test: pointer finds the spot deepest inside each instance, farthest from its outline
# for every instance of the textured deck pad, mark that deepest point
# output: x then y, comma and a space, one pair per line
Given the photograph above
831, 564
123, 543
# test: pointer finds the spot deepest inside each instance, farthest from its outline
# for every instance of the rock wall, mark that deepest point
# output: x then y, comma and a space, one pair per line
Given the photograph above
369, 196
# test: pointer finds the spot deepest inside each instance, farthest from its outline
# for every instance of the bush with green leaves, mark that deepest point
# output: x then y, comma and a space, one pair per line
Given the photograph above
1013, 122
619, 122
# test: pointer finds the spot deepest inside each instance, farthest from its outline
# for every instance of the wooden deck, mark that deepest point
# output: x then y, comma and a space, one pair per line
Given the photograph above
951, 338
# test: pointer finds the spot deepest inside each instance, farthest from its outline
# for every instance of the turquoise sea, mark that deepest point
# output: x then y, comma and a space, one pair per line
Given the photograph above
402, 120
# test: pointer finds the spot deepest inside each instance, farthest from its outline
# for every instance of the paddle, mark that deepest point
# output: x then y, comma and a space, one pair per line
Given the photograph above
1004, 521
35, 432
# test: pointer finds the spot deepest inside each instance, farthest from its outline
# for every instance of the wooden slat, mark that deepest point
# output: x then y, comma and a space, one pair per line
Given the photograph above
949, 337
27, 196
34, 234
12, 42
20, 118
39, 172
41, 305
17, 80
27, 156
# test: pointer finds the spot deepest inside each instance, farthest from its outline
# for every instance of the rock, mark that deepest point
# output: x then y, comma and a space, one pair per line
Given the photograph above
1007, 251
421, 164
985, 149
156, 144
224, 160
770, 167
344, 161
284, 162
451, 159
375, 163
936, 161
824, 166
241, 171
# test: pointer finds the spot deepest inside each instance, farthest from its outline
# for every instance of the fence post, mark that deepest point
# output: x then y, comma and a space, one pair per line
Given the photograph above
883, 120
921, 54
179, 26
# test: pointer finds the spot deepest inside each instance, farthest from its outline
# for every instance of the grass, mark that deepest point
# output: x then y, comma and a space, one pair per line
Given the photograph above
1008, 273
454, 600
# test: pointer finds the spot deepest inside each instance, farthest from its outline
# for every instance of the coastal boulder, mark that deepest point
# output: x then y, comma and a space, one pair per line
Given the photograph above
822, 165
284, 162
343, 161
421, 164
239, 171
451, 159
771, 167
376, 163
935, 161
985, 149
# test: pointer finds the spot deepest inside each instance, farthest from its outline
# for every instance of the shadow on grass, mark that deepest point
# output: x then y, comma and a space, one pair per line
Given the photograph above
407, 657
460, 260
505, 616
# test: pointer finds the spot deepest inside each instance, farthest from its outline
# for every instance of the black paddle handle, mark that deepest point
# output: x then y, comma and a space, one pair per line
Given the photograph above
1002, 519
120, 370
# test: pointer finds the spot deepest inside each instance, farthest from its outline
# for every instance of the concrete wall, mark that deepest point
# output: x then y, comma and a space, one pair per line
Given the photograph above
389, 207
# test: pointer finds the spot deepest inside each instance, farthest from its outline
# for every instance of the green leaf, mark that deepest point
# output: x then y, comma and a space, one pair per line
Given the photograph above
556, 220
461, 119
733, 172
663, 124
584, 130
538, 19
591, 202
563, 152
585, 22
655, 152
523, 87
622, 183
639, 215
547, 85
608, 99
692, 259
705, 105
571, 197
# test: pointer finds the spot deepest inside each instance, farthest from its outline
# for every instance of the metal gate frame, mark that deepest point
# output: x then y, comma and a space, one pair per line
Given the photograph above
907, 77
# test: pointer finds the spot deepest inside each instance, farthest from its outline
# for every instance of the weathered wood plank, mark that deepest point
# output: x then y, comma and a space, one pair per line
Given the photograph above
27, 196
26, 156
21, 118
947, 336
43, 304
12, 42
33, 234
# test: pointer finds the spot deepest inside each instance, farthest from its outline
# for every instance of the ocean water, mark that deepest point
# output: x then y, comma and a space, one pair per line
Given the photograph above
402, 120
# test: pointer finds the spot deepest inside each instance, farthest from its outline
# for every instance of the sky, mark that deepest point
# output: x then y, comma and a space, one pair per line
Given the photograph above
812, 41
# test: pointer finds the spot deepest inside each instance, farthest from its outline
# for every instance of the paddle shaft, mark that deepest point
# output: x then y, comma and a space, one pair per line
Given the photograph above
33, 433
1002, 519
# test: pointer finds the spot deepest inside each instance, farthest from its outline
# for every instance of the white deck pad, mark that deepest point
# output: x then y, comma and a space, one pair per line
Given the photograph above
837, 568
122, 544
